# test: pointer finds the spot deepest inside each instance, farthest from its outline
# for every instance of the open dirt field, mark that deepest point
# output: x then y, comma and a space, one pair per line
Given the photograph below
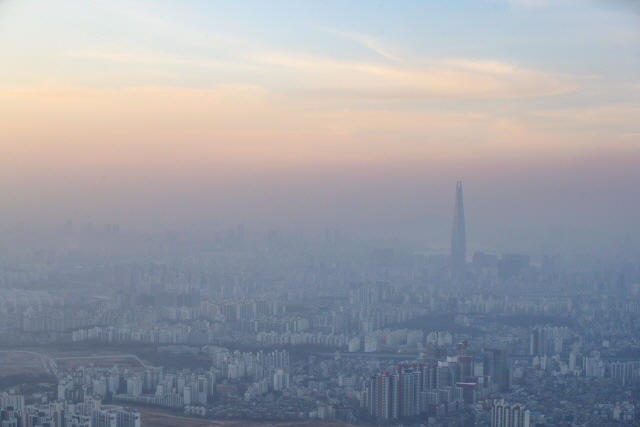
14, 363
66, 361
156, 418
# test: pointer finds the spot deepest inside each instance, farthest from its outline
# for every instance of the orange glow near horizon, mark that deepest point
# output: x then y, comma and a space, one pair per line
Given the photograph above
190, 112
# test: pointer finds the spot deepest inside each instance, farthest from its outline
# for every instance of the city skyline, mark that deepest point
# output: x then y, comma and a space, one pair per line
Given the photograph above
238, 212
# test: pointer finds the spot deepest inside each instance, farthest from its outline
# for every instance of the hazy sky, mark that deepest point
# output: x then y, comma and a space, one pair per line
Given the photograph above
295, 115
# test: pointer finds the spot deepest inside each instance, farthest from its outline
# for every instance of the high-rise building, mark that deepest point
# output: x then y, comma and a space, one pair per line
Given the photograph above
127, 417
458, 238
383, 395
104, 418
280, 380
407, 393
496, 365
505, 414
202, 389
410, 383
538, 344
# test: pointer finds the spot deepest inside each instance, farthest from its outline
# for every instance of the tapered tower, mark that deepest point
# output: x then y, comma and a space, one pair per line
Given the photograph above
458, 238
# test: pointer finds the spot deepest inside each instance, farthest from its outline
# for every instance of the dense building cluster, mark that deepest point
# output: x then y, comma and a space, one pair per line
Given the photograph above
90, 412
268, 326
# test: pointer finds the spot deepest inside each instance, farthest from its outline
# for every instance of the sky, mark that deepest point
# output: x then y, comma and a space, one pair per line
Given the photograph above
310, 115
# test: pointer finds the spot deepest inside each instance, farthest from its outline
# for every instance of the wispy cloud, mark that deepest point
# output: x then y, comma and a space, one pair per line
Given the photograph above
528, 3
620, 115
387, 76
148, 56
457, 78
312, 75
371, 43
181, 33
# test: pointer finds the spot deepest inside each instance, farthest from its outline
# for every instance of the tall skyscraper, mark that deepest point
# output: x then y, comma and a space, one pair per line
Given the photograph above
496, 365
383, 396
539, 342
458, 238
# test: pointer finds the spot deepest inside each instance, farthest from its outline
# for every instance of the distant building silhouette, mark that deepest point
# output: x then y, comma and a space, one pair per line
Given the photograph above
512, 265
458, 238
496, 365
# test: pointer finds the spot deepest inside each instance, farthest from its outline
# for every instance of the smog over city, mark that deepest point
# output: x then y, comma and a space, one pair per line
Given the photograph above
249, 213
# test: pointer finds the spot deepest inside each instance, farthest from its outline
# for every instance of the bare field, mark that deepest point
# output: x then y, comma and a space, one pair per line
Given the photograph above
76, 359
15, 363
58, 354
157, 418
